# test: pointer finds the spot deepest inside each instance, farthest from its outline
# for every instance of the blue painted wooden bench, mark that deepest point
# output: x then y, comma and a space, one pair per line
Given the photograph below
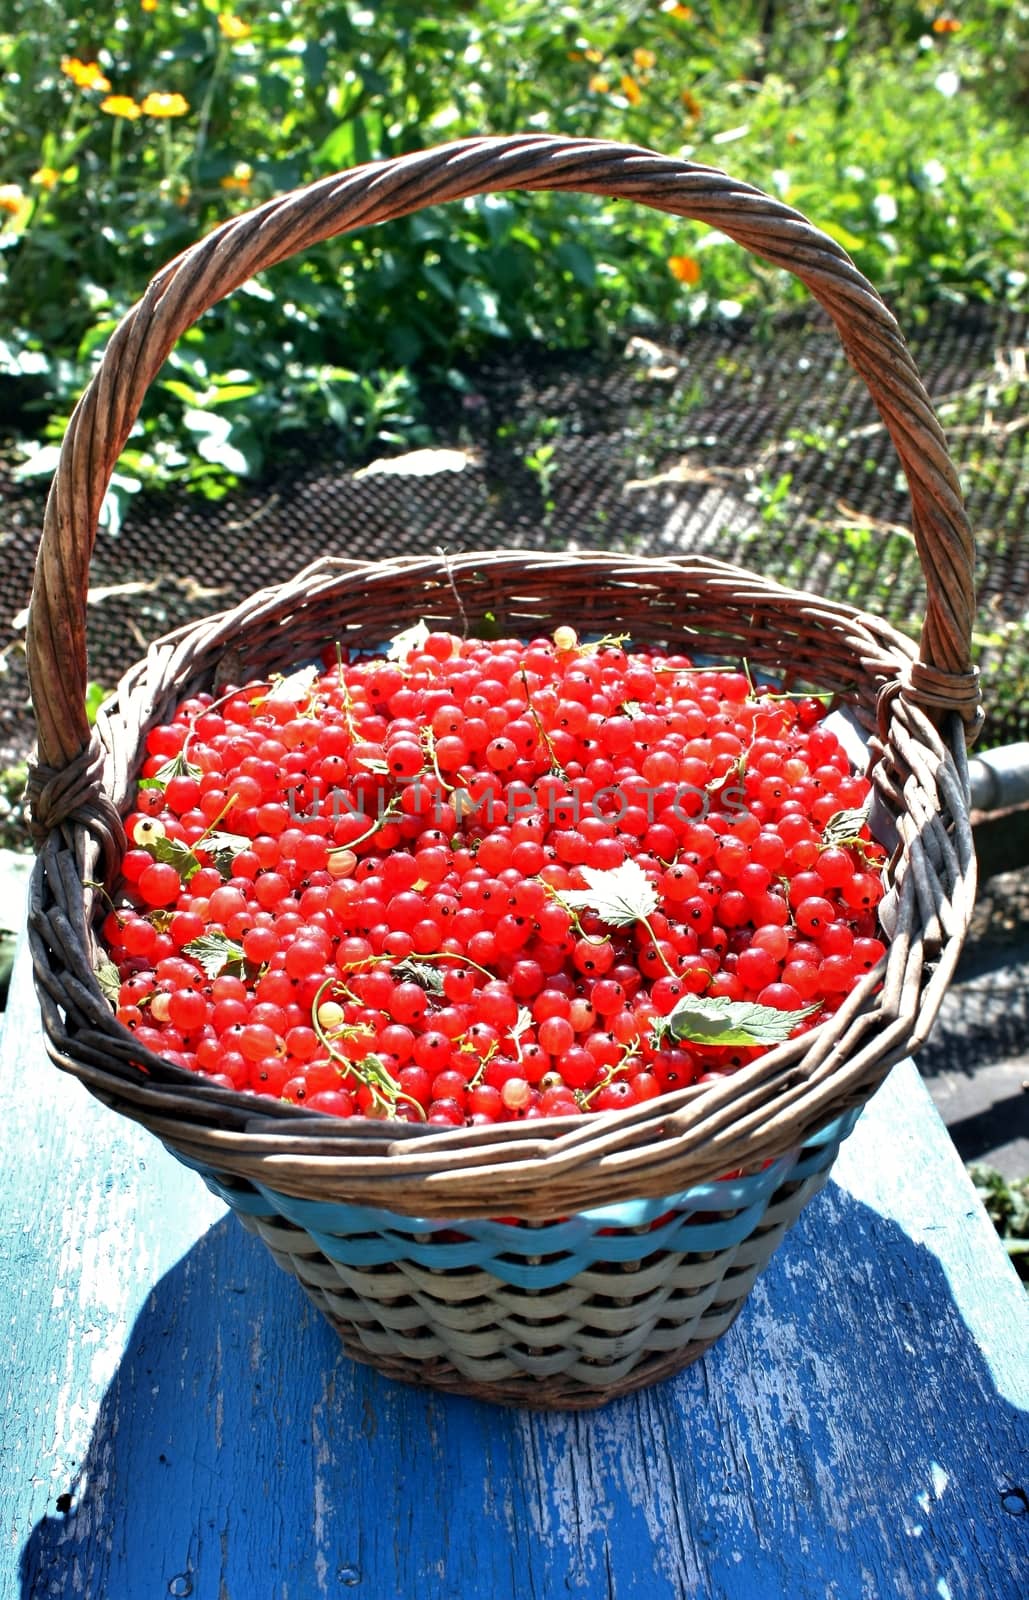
178, 1421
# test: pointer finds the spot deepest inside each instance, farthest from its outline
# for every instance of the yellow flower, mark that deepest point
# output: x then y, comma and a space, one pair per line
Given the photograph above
596, 56
121, 105
239, 178
164, 105
671, 8
84, 74
46, 177
11, 198
598, 84
644, 59
684, 269
631, 90
233, 27
148, 5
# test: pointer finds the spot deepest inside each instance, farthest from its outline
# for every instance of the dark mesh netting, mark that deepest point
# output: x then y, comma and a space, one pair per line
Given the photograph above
764, 449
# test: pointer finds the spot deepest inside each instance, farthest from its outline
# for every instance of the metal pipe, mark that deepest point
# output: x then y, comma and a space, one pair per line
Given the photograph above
1000, 778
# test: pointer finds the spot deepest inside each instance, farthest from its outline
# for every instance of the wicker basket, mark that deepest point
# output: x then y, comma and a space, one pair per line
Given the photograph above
631, 1251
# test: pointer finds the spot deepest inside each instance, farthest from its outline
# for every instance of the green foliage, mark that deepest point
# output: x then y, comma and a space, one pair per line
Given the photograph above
129, 132
13, 816
1007, 1206
96, 694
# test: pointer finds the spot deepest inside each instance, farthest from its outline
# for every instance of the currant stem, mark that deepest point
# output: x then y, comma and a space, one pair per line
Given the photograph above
476, 1077
601, 938
657, 948
346, 697
445, 558
417, 955
429, 740
586, 1097
370, 1071
555, 765
91, 883
392, 810
610, 641
825, 695
230, 802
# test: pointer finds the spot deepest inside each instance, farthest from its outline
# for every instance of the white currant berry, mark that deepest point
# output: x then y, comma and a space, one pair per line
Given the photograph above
147, 830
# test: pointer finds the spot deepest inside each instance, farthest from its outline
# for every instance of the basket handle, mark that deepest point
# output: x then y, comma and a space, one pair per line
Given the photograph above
941, 680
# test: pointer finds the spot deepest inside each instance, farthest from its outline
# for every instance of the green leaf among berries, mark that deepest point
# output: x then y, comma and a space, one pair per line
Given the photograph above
108, 979
423, 973
177, 767
844, 827
221, 849
176, 854
216, 953
619, 896
711, 1020
386, 1091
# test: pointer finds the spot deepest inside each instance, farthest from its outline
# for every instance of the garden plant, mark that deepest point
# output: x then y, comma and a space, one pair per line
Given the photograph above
130, 130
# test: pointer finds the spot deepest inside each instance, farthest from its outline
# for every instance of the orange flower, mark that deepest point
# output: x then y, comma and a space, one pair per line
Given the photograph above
599, 85
84, 74
684, 269
644, 59
11, 198
233, 27
680, 13
596, 56
631, 90
121, 105
46, 177
691, 103
239, 178
164, 105
946, 25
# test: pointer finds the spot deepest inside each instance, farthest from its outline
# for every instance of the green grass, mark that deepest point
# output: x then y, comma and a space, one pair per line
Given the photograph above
901, 139
1007, 1206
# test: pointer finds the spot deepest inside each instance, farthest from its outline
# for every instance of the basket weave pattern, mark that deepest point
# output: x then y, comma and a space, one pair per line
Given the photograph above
915, 704
545, 1314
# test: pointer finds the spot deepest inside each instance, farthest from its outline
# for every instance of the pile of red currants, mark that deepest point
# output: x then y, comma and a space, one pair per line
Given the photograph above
471, 882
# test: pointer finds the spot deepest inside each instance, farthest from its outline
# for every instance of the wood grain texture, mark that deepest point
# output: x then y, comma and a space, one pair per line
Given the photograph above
861, 1431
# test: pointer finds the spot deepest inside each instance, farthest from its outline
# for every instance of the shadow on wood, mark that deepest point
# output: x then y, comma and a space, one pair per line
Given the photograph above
825, 1445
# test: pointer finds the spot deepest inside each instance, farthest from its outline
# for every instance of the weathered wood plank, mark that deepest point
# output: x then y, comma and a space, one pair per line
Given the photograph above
861, 1430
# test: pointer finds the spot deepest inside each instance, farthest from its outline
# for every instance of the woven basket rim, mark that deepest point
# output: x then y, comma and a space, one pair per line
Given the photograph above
750, 1117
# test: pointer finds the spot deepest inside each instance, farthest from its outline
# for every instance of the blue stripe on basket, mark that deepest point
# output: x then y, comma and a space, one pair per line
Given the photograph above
365, 1236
